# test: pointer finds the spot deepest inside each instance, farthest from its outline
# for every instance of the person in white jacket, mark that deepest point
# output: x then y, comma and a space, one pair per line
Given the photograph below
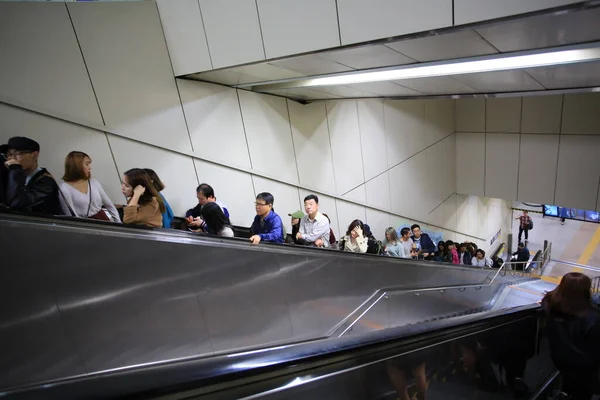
355, 241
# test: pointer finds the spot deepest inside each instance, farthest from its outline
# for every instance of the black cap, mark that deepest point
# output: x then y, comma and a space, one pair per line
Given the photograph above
20, 143
521, 244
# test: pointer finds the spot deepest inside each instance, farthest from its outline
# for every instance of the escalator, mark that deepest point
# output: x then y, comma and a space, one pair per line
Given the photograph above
498, 355
80, 298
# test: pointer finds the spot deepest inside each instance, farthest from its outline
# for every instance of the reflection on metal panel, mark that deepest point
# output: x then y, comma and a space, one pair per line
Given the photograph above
134, 296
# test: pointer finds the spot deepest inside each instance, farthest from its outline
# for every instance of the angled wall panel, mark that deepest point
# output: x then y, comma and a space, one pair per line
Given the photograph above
537, 168
378, 191
468, 11
541, 114
405, 126
470, 115
283, 24
372, 136
345, 144
378, 221
184, 32
269, 135
125, 51
312, 146
470, 163
503, 114
501, 166
233, 188
175, 170
233, 31
41, 64
215, 122
580, 114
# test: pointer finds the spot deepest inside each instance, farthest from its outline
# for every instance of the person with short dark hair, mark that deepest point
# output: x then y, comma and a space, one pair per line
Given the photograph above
216, 222
314, 226
168, 215
29, 187
464, 257
451, 253
267, 225
423, 242
524, 225
205, 194
144, 206
440, 254
573, 327
354, 241
409, 246
523, 255
81, 195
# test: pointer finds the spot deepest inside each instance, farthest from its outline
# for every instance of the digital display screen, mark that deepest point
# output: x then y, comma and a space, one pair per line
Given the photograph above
571, 213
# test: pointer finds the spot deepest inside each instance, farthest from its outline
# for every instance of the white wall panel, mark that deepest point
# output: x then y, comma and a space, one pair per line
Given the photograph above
372, 133
234, 188
312, 146
580, 113
124, 48
358, 194
215, 122
175, 170
57, 138
378, 192
439, 119
578, 171
541, 114
378, 221
407, 191
470, 115
537, 168
345, 145
404, 125
448, 167
445, 214
503, 114
233, 31
327, 205
501, 166
269, 135
467, 11
41, 64
184, 32
362, 20
284, 26
470, 163
348, 212
287, 199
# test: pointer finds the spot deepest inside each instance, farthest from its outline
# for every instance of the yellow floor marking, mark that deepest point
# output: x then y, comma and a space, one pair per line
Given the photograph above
589, 250
551, 279
526, 290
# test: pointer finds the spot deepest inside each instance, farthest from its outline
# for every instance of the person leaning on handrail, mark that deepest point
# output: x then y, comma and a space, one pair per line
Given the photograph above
573, 326
267, 225
144, 205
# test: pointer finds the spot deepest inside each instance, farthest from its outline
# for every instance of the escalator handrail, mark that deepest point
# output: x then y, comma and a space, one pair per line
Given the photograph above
185, 374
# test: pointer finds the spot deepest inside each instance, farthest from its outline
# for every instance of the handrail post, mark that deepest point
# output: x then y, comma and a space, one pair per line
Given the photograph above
509, 241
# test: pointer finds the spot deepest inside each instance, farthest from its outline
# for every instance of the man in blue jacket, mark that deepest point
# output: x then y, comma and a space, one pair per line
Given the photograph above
424, 243
267, 225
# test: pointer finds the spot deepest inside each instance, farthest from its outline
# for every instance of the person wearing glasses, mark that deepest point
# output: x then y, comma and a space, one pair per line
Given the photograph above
267, 225
29, 187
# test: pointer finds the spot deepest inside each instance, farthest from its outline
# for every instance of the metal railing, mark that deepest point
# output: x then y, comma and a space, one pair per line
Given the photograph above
596, 284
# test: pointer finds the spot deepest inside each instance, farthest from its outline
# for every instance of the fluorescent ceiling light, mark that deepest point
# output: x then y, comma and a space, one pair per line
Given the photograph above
497, 62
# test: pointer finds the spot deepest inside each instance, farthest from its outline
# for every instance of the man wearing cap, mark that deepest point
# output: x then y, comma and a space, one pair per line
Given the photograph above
29, 187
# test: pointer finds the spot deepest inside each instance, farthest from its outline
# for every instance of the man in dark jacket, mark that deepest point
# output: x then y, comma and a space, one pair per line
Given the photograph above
3, 180
424, 243
522, 254
29, 187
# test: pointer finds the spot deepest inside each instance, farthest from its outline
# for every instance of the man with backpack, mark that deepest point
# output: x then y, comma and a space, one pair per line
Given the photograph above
525, 225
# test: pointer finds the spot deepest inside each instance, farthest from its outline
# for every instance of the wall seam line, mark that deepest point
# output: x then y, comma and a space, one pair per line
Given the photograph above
562, 110
205, 35
162, 29
112, 154
484, 145
442, 202
337, 13
386, 153
330, 147
519, 159
95, 127
85, 65
237, 93
362, 156
287, 106
262, 38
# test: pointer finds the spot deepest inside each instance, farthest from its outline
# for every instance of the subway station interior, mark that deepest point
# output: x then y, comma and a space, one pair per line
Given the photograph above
477, 121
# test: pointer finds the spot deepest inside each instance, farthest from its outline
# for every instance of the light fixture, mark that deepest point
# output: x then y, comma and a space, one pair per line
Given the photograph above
497, 62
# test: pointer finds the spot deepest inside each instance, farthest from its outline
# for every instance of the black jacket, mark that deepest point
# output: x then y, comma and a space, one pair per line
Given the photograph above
522, 254
427, 245
39, 195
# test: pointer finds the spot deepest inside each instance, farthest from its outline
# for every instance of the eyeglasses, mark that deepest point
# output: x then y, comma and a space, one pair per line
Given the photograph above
260, 204
15, 154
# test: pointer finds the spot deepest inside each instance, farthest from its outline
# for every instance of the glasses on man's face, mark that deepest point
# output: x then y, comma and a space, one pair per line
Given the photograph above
15, 154
259, 204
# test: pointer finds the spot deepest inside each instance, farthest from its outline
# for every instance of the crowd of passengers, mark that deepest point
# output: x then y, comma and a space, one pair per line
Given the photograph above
25, 186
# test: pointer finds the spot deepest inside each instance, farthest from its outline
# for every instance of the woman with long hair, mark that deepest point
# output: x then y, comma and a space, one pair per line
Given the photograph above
393, 246
168, 215
216, 222
144, 204
355, 241
574, 335
80, 194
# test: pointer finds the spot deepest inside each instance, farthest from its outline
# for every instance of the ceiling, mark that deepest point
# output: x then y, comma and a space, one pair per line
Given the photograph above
534, 32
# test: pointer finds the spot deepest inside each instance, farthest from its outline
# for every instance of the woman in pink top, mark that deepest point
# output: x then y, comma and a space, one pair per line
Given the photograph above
452, 252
